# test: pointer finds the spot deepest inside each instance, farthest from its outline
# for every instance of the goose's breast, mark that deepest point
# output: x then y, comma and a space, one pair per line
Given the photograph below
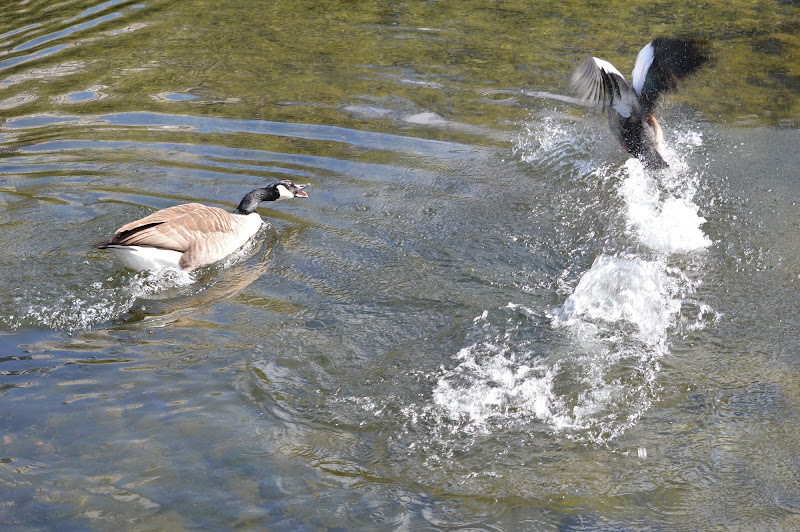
209, 248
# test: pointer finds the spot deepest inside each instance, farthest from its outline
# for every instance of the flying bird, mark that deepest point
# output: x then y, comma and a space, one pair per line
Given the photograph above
658, 68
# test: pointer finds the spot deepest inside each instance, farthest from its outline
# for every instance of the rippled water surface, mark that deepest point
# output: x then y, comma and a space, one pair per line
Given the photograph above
484, 316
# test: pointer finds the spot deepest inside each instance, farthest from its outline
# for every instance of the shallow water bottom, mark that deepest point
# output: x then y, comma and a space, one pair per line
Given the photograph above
485, 316
592, 382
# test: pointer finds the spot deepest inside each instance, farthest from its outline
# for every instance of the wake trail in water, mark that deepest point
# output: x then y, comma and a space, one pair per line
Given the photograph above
79, 306
592, 371
83, 307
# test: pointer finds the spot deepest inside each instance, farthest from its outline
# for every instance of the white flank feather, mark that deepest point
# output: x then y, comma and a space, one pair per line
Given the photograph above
141, 258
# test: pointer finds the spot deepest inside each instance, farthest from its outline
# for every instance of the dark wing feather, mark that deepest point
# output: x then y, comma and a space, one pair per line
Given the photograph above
672, 60
598, 81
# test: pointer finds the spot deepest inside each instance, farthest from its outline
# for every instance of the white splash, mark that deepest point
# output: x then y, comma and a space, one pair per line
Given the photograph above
672, 225
593, 373
592, 389
497, 387
629, 289
550, 140
80, 308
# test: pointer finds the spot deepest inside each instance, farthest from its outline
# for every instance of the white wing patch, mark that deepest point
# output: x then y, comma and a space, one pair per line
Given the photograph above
643, 62
607, 67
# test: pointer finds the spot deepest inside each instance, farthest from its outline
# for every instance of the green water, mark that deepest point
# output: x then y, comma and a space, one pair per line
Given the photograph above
483, 317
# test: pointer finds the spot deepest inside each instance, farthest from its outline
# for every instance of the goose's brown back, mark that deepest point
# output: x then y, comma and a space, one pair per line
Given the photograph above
203, 234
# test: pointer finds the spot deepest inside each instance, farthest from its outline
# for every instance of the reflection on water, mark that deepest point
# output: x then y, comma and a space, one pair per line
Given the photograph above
484, 316
190, 124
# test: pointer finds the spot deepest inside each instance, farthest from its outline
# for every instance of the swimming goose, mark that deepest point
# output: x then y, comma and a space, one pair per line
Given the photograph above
658, 68
192, 235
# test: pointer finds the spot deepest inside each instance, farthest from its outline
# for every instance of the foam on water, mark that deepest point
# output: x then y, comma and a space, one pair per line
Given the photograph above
624, 288
670, 225
595, 373
81, 308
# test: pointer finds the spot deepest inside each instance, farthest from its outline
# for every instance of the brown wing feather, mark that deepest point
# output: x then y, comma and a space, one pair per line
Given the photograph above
175, 228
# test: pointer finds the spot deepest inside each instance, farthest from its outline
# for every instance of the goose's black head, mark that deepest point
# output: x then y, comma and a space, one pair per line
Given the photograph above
283, 189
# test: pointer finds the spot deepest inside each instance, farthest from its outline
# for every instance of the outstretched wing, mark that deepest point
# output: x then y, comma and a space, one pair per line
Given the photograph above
600, 82
663, 63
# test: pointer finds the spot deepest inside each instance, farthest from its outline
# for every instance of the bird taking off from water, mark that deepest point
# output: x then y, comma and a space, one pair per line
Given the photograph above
659, 66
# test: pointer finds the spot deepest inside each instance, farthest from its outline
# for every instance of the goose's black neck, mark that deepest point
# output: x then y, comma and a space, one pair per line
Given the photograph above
252, 199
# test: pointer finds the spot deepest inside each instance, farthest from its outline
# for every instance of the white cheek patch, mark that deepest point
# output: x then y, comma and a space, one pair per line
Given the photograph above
284, 192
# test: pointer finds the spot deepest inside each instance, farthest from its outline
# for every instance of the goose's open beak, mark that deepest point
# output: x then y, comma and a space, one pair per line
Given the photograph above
300, 193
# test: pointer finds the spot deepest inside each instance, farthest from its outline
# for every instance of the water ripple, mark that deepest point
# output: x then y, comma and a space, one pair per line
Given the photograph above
13, 61
366, 139
63, 33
